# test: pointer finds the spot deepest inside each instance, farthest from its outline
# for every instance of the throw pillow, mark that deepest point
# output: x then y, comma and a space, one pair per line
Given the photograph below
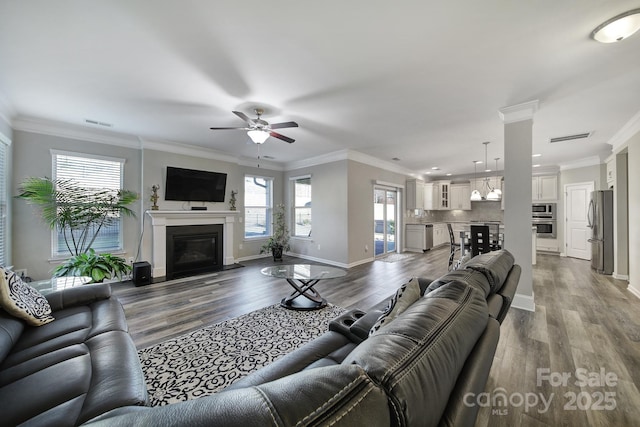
22, 301
406, 295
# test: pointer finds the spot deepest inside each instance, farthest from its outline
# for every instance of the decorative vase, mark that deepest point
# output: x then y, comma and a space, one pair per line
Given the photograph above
276, 251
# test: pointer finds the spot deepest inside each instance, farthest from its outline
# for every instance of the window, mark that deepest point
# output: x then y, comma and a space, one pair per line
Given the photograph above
302, 206
258, 204
3, 204
90, 172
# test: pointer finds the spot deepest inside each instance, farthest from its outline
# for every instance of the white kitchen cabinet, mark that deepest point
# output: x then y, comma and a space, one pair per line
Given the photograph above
440, 234
544, 188
415, 194
430, 196
460, 196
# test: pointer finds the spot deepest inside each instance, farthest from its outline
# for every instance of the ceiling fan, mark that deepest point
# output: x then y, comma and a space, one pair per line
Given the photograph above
259, 130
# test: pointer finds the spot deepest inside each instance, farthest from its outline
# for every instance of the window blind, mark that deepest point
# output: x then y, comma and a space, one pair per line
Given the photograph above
90, 172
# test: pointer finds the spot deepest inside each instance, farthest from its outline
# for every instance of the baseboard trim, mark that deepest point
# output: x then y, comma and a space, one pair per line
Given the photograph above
635, 291
523, 302
620, 276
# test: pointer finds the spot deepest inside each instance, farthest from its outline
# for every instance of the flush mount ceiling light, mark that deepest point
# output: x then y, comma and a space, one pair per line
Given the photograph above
618, 28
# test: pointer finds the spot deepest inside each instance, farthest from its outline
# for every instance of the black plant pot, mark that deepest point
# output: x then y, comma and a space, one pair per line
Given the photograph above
277, 253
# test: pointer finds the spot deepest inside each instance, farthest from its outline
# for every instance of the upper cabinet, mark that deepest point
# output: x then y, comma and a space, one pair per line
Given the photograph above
415, 194
544, 188
460, 196
444, 194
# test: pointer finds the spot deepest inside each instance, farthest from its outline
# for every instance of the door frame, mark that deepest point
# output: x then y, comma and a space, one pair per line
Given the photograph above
591, 185
398, 214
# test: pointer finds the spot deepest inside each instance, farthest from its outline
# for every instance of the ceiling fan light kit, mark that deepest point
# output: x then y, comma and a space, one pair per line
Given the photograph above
618, 28
259, 130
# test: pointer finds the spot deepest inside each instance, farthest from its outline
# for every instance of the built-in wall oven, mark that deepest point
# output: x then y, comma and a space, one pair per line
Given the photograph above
543, 216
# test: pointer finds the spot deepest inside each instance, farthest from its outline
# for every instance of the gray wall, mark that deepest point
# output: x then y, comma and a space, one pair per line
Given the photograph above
31, 237
6, 134
155, 166
360, 201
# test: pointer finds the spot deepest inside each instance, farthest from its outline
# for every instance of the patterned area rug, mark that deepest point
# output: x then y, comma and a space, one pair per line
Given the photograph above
205, 361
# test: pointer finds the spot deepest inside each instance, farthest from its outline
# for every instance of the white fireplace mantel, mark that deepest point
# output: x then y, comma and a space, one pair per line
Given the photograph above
160, 220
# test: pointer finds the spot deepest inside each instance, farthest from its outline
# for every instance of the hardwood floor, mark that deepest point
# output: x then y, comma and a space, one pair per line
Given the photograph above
584, 323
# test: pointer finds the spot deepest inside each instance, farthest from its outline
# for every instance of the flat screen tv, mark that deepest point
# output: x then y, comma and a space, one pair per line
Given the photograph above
194, 185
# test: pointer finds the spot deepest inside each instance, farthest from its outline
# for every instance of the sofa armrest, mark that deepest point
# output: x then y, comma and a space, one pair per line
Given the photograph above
79, 295
340, 395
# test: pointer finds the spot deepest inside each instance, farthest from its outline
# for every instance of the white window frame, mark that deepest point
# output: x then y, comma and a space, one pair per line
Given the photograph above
54, 233
269, 208
4, 201
295, 208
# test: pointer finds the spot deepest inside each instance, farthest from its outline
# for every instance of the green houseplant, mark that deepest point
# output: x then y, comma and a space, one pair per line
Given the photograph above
279, 240
79, 214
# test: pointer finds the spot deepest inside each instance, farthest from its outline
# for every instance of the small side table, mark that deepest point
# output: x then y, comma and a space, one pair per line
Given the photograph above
48, 286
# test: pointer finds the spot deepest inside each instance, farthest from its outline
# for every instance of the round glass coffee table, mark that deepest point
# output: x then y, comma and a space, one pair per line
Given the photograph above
303, 277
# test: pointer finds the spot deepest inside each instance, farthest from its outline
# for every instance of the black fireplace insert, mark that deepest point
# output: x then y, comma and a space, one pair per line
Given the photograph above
194, 249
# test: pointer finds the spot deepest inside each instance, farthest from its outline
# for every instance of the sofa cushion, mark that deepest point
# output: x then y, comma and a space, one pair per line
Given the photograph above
406, 295
418, 357
23, 301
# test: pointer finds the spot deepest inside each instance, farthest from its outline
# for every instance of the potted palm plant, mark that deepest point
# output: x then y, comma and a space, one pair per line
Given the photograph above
79, 214
279, 240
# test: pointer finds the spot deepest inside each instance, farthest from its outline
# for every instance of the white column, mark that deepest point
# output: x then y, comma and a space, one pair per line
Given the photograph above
634, 214
518, 141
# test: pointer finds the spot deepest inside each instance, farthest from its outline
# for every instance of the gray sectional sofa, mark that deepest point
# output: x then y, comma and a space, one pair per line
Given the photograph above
414, 370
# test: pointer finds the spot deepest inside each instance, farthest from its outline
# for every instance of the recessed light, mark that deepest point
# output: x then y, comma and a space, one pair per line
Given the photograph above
448, 174
487, 170
428, 173
536, 155
435, 168
535, 166
395, 159
268, 157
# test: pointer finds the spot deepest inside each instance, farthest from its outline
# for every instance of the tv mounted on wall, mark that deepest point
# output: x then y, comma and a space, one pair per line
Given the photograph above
194, 186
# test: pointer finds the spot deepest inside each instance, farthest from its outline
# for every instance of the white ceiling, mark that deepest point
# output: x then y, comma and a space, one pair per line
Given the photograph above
421, 81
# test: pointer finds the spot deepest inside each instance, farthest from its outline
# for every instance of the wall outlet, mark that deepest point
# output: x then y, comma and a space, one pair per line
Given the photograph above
366, 248
21, 273
240, 246
131, 260
318, 246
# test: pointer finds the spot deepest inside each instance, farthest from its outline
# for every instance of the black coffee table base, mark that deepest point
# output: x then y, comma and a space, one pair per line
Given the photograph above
304, 297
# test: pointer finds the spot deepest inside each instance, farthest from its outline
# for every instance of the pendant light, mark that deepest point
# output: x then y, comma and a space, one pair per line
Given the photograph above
495, 194
475, 194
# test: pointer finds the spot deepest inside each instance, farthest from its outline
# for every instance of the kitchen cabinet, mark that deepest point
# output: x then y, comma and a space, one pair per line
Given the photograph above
544, 188
415, 194
440, 234
444, 194
460, 196
419, 237
430, 196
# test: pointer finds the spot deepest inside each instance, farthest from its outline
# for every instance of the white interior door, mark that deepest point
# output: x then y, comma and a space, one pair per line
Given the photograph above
576, 229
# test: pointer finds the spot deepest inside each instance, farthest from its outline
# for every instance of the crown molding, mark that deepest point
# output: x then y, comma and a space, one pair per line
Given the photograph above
519, 112
581, 163
347, 154
28, 124
621, 139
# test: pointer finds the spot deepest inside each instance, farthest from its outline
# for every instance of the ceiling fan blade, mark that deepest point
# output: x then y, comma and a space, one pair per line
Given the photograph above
282, 137
243, 116
284, 125
226, 128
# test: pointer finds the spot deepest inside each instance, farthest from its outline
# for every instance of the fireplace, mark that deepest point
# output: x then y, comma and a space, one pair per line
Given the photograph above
194, 249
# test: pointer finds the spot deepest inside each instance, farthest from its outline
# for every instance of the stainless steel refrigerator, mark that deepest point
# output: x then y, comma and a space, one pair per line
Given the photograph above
600, 220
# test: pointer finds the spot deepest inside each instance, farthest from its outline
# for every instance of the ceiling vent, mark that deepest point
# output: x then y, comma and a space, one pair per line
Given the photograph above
97, 123
570, 137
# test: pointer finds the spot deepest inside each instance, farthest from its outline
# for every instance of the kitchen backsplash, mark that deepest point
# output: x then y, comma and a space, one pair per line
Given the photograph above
480, 211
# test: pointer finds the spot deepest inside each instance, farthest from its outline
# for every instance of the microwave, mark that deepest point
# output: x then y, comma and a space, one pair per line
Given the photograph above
543, 211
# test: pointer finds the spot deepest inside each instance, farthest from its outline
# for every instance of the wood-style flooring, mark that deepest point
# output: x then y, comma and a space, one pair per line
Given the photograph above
585, 325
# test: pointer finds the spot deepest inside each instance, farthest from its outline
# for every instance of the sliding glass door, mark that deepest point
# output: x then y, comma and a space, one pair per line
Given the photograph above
384, 218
